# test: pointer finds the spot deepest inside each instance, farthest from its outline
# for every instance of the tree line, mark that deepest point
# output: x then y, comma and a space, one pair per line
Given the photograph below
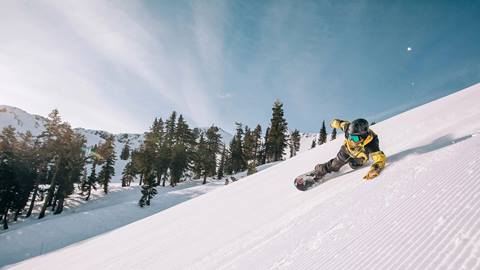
172, 151
46, 169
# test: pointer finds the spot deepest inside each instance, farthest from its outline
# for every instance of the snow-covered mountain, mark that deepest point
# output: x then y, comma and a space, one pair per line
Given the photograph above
422, 212
23, 121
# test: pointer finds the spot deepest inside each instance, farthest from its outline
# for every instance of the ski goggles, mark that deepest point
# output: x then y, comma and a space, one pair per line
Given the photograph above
355, 138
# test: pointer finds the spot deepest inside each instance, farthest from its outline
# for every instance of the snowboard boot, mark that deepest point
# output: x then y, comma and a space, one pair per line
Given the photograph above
320, 171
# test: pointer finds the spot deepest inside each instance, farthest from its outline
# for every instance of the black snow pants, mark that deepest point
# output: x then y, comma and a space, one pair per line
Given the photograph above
334, 164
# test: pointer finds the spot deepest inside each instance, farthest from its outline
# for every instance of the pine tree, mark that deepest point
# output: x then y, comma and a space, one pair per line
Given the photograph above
182, 151
25, 171
29, 172
67, 159
334, 134
199, 157
228, 169
196, 133
213, 141
221, 165
252, 148
40, 167
170, 127
163, 147
107, 152
91, 181
51, 137
156, 143
266, 148
248, 145
257, 137
128, 174
8, 183
314, 144
148, 189
144, 160
236, 149
167, 146
179, 163
183, 134
277, 139
83, 182
125, 151
323, 134
71, 168
294, 143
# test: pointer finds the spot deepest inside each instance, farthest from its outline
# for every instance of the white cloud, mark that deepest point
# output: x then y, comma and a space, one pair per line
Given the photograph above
93, 59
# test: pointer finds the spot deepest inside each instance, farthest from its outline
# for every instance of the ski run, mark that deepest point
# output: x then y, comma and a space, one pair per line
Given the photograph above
422, 212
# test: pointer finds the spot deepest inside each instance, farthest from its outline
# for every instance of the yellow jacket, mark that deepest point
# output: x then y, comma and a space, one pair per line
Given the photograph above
368, 147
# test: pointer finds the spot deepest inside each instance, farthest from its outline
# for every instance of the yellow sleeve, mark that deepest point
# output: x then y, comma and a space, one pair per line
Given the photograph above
379, 160
339, 124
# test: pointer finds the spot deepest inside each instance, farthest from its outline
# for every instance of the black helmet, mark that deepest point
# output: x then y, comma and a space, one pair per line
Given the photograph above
358, 127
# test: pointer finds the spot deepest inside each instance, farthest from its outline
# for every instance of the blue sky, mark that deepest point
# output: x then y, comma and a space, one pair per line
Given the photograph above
115, 65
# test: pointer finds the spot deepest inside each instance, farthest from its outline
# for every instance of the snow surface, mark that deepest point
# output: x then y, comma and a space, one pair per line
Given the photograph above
102, 213
422, 212
87, 219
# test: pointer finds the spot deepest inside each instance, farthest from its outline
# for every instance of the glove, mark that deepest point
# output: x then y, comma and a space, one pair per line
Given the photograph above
371, 174
336, 123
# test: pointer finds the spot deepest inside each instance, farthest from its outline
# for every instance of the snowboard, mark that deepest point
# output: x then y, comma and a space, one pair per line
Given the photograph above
309, 182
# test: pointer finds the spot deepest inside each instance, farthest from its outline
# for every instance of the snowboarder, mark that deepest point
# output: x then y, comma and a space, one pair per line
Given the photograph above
360, 143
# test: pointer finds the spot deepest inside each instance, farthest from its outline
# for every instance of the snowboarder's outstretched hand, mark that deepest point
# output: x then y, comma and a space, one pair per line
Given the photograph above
371, 174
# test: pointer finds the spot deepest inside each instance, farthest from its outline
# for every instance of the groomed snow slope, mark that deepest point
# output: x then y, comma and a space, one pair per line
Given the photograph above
422, 212
81, 220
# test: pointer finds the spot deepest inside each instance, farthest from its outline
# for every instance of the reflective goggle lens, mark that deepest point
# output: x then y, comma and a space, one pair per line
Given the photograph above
354, 138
